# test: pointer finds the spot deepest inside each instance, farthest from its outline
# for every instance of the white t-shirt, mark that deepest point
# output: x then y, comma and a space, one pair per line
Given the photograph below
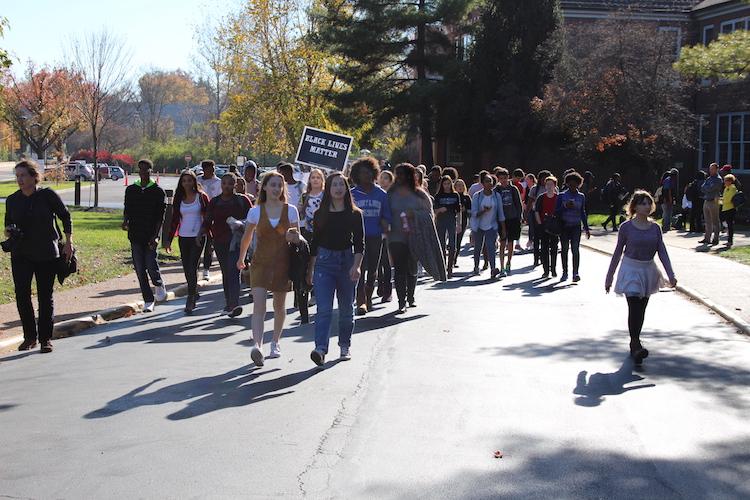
190, 218
253, 216
211, 186
485, 218
295, 192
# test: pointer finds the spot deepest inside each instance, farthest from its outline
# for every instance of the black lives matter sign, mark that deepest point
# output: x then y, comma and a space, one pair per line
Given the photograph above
320, 148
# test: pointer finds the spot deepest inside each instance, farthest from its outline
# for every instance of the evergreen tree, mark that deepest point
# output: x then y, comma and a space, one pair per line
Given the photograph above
396, 54
515, 50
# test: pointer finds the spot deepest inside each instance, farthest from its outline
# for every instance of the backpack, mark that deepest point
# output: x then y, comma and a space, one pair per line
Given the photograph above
738, 199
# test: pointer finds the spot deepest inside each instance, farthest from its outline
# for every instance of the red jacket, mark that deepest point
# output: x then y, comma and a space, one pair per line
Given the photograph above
177, 216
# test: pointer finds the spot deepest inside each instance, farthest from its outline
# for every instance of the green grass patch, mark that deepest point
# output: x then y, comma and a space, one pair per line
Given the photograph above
596, 220
102, 248
738, 254
7, 188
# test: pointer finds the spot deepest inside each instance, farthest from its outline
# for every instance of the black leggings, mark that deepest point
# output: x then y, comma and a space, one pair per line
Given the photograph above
728, 216
369, 269
190, 254
636, 315
405, 270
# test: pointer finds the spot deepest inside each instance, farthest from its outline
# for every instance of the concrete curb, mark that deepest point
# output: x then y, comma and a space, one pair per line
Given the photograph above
722, 311
77, 325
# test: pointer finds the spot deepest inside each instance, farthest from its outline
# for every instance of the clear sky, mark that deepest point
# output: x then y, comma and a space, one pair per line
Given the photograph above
159, 33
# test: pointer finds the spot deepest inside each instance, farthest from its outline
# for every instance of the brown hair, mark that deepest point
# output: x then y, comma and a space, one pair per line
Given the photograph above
638, 196
262, 196
31, 169
321, 214
442, 181
179, 192
550, 178
318, 172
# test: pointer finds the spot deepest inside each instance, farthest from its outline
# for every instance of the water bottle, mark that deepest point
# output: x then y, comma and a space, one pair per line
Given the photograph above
404, 222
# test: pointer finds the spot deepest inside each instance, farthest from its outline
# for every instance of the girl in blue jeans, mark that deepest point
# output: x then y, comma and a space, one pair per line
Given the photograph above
336, 252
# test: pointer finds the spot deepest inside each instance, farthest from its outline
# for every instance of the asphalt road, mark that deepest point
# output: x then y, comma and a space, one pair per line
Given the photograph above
164, 406
111, 193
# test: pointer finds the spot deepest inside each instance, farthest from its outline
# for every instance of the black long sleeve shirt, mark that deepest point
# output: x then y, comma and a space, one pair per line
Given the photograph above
341, 231
35, 216
144, 211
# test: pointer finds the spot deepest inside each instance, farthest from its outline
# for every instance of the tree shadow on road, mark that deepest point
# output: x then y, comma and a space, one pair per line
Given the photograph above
591, 392
538, 468
230, 389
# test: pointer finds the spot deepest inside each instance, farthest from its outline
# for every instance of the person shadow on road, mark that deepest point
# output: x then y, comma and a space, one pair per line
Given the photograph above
592, 392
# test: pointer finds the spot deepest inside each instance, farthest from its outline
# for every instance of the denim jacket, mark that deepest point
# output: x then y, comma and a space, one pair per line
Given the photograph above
476, 201
712, 187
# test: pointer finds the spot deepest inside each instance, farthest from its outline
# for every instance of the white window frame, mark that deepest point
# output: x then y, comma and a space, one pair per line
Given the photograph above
738, 163
701, 120
745, 19
678, 38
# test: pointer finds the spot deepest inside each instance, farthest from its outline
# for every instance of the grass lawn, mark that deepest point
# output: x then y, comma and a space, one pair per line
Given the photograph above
738, 254
102, 249
7, 188
596, 220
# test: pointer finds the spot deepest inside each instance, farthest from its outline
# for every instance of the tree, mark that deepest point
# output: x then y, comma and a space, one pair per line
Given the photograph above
157, 89
395, 55
282, 79
38, 107
512, 58
215, 65
727, 58
616, 92
5, 61
102, 87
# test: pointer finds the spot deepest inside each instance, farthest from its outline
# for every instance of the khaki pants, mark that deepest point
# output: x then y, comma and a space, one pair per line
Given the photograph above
711, 217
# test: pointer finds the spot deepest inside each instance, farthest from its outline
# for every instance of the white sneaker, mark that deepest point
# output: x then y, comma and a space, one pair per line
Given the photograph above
275, 351
206, 275
346, 355
149, 307
160, 293
257, 356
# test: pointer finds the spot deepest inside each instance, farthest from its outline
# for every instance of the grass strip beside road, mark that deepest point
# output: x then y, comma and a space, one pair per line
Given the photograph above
7, 188
738, 254
102, 249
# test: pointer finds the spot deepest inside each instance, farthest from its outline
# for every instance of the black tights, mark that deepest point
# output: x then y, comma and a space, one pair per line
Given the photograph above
636, 315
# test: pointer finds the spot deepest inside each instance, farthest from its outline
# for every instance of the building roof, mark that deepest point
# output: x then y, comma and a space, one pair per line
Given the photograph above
710, 3
674, 6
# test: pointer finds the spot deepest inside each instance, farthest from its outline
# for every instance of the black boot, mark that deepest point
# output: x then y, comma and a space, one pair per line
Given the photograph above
190, 304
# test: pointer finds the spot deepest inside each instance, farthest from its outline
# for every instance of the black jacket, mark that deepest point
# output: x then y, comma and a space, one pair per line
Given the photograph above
144, 212
35, 216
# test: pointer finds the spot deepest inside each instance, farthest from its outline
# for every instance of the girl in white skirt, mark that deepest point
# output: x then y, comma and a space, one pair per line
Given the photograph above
640, 239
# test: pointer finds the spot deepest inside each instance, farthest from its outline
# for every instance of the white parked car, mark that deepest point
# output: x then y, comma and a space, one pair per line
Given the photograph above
77, 170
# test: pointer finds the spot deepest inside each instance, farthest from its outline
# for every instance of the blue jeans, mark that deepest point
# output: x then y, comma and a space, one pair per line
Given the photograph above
144, 261
667, 210
332, 276
487, 239
570, 237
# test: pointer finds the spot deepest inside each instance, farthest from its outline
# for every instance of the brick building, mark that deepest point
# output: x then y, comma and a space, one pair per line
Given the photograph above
724, 109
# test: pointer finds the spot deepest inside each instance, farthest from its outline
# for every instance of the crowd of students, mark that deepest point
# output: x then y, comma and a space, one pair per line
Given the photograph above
340, 235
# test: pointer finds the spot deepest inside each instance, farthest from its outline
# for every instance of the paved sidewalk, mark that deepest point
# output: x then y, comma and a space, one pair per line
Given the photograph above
699, 267
86, 300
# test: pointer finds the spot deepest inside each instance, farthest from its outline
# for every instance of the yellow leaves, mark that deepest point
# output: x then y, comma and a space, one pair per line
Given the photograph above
727, 58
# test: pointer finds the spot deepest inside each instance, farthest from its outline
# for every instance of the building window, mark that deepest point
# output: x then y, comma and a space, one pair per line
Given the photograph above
675, 37
704, 138
733, 140
454, 156
708, 34
735, 24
